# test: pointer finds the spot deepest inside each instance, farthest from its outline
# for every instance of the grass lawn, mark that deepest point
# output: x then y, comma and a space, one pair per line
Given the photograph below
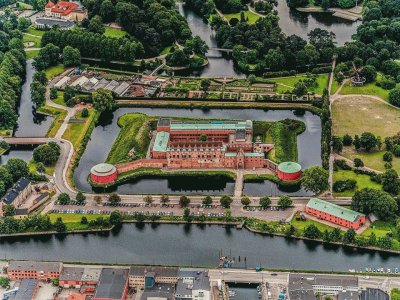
31, 54
361, 114
300, 225
252, 17
60, 98
335, 86
372, 160
54, 71
134, 133
23, 5
34, 31
76, 131
363, 181
114, 32
395, 294
6, 132
59, 115
35, 40
380, 229
166, 50
49, 170
367, 89
73, 221
284, 82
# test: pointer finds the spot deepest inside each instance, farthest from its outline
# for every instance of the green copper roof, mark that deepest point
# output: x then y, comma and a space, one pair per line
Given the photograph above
254, 154
230, 154
161, 142
334, 210
289, 167
216, 125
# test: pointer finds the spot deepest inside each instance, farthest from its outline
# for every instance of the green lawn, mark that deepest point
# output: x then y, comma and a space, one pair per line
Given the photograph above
395, 294
252, 17
73, 221
35, 40
335, 86
54, 71
367, 89
114, 32
31, 54
5, 132
34, 31
60, 98
287, 83
76, 131
363, 181
23, 5
380, 229
49, 170
59, 115
166, 50
300, 225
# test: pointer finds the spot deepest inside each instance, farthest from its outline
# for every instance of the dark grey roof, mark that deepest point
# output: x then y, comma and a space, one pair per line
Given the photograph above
26, 289
72, 273
373, 294
348, 295
21, 211
160, 271
49, 22
34, 266
13, 192
201, 281
164, 122
112, 283
157, 294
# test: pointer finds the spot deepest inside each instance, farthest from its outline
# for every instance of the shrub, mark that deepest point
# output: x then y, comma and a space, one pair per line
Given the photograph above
347, 140
85, 113
226, 201
394, 97
245, 201
388, 156
344, 185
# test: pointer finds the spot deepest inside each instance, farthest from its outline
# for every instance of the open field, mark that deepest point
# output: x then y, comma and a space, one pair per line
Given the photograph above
35, 40
59, 115
114, 32
75, 132
252, 17
31, 54
335, 86
363, 181
360, 114
368, 89
301, 225
54, 71
73, 221
60, 98
287, 83
34, 31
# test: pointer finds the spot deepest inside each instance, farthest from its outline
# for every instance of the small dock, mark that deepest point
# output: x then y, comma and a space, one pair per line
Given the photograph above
240, 225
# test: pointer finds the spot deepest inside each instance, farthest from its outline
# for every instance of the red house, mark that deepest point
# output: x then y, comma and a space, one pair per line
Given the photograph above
334, 213
44, 271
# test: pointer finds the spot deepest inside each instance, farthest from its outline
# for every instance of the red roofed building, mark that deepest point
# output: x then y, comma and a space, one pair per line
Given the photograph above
65, 10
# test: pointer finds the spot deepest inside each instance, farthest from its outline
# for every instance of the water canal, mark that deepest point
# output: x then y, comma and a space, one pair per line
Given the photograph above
103, 136
195, 245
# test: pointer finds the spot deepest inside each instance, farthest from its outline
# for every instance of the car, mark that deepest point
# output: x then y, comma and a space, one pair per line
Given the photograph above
274, 274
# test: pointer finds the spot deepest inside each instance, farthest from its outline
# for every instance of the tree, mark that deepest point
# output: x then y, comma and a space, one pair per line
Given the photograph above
148, 199
84, 220
5, 177
357, 142
80, 197
368, 141
335, 235
391, 182
85, 113
226, 201
205, 84
63, 199
337, 144
394, 97
300, 88
24, 23
349, 236
8, 117
207, 200
315, 179
53, 93
312, 232
46, 154
245, 201
59, 225
347, 140
358, 163
177, 58
290, 231
164, 199
325, 4
203, 138
388, 156
186, 214
265, 201
114, 198
48, 56
184, 201
17, 168
367, 201
369, 72
4, 282
96, 25
71, 57
102, 100
116, 218
285, 201
252, 79
8, 210
372, 239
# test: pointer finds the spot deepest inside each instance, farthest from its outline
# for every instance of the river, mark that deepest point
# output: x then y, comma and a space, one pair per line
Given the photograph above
195, 245
104, 134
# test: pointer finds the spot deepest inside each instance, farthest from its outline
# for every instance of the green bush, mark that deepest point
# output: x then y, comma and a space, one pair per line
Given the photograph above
346, 3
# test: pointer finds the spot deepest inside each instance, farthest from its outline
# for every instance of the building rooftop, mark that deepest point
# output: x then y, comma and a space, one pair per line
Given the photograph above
254, 154
161, 141
34, 266
214, 125
13, 192
26, 289
112, 283
289, 167
192, 280
50, 22
159, 271
334, 210
373, 294
71, 274
103, 169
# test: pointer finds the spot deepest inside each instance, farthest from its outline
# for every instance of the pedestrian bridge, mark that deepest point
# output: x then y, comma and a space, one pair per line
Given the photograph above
26, 140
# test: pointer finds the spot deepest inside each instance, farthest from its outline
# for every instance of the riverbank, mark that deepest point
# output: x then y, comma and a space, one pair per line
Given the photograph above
352, 14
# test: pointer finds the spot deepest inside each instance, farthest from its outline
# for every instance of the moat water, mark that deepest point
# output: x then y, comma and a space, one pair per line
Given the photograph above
195, 245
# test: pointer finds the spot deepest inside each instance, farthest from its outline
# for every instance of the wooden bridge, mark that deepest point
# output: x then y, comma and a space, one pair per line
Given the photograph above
27, 140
